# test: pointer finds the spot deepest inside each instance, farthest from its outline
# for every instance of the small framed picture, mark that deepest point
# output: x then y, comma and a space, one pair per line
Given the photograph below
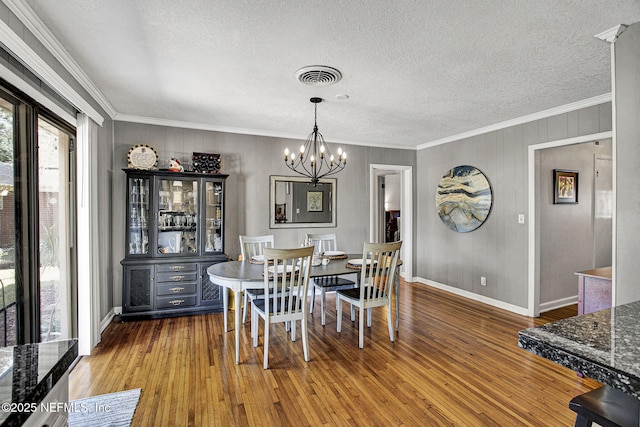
565, 186
314, 201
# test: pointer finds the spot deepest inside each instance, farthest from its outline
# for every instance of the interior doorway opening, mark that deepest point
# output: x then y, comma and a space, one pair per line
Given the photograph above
391, 210
540, 193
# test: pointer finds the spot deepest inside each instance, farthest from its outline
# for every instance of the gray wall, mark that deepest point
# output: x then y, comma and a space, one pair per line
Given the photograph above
105, 216
627, 99
498, 249
249, 161
566, 231
298, 206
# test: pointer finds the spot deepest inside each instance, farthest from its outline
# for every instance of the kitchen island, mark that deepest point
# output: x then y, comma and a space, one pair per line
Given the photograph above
603, 345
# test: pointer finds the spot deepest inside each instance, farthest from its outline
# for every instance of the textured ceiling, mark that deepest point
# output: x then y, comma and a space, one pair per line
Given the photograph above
415, 71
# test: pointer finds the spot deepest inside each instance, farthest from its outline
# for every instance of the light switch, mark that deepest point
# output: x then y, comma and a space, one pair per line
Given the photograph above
520, 218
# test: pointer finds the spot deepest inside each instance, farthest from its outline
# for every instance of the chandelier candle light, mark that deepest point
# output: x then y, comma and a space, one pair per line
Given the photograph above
315, 159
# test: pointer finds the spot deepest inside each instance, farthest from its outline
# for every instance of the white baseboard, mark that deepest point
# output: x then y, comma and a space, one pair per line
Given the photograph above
563, 302
480, 298
407, 278
107, 319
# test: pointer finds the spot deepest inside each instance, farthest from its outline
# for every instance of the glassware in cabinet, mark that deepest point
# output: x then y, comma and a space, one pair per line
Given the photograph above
214, 221
138, 188
177, 227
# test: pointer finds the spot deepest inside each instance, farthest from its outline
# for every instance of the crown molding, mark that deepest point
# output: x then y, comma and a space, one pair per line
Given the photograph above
589, 102
34, 24
229, 129
40, 68
611, 34
19, 82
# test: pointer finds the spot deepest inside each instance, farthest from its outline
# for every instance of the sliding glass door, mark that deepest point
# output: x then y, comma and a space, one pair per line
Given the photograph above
37, 224
55, 227
7, 227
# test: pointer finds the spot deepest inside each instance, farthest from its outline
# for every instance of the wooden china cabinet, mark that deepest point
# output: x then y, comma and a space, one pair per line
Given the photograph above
174, 232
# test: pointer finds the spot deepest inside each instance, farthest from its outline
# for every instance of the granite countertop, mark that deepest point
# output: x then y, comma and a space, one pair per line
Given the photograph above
28, 372
603, 345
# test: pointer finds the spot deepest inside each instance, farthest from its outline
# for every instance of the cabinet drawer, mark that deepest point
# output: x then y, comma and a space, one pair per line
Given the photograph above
176, 268
190, 276
176, 301
176, 289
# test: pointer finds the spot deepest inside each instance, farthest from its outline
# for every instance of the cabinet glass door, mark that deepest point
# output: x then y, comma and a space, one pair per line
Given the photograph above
177, 216
138, 216
213, 216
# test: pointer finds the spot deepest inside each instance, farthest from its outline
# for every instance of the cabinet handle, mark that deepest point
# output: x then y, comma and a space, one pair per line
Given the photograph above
176, 302
176, 290
176, 278
176, 267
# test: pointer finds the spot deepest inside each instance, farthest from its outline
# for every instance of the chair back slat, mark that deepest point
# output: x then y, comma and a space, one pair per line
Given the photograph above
323, 242
251, 246
286, 281
379, 262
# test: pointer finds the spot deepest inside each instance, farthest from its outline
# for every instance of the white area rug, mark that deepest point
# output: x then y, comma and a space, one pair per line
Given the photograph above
113, 409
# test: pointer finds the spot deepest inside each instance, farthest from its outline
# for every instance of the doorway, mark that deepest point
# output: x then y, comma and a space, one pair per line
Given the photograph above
391, 213
404, 217
540, 191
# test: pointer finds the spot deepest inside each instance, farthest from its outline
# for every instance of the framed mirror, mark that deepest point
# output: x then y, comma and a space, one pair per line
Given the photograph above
296, 203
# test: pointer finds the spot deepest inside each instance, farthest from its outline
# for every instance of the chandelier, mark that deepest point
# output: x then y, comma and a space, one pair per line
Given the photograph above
315, 160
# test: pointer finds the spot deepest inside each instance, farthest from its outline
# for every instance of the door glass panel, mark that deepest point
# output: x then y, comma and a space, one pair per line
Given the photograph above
213, 213
139, 216
7, 228
54, 222
177, 218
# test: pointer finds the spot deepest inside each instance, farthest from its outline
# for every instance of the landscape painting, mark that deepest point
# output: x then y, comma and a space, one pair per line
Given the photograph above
463, 198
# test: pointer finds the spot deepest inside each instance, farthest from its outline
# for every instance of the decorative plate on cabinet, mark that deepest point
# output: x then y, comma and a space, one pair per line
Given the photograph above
142, 156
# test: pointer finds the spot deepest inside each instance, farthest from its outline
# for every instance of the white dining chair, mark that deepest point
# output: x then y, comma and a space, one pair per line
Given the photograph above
324, 243
286, 283
252, 248
377, 274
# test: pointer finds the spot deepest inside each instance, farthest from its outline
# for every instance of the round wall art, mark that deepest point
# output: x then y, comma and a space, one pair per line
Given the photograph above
463, 199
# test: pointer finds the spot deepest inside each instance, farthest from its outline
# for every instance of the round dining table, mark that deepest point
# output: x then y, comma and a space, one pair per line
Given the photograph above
241, 275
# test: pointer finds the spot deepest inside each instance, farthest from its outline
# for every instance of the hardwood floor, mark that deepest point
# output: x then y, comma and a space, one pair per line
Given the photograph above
455, 362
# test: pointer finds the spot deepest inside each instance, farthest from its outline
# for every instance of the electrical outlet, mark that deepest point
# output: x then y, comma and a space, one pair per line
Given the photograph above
483, 281
520, 218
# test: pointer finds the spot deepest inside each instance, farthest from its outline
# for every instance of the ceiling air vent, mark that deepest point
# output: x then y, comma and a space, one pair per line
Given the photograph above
318, 75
